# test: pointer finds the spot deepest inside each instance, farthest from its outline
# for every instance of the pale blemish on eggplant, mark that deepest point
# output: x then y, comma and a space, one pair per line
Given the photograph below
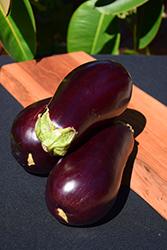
62, 214
30, 160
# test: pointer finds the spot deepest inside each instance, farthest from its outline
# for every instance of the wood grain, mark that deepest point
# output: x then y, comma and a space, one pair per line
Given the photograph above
149, 175
34, 80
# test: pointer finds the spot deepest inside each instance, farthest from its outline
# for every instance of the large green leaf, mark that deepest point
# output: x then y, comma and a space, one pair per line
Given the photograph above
117, 6
149, 18
18, 31
92, 31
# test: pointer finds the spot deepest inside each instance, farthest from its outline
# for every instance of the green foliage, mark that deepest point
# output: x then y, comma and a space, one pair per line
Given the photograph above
46, 27
143, 16
117, 6
18, 31
148, 22
92, 31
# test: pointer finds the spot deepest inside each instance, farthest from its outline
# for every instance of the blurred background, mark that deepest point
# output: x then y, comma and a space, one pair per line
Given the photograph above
52, 26
59, 26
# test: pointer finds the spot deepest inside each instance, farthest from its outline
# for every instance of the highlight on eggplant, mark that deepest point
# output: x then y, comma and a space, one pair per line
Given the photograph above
25, 146
89, 94
83, 186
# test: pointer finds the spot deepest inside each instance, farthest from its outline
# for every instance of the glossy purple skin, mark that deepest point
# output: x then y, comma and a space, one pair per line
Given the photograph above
24, 140
91, 93
85, 183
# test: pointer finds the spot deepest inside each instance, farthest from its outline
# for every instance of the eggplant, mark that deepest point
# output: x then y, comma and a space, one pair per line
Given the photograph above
83, 186
92, 93
25, 146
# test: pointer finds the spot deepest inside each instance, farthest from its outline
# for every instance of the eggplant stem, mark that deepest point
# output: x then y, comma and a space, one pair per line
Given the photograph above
126, 124
55, 141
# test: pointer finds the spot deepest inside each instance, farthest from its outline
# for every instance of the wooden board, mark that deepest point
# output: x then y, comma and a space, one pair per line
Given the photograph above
147, 175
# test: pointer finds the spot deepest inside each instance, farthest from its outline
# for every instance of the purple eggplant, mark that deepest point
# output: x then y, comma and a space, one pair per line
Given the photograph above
83, 185
88, 95
25, 146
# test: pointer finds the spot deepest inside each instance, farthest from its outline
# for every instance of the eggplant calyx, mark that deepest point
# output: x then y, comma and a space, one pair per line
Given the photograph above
55, 141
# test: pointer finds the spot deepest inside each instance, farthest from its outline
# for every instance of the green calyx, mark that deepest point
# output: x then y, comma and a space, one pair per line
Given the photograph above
55, 141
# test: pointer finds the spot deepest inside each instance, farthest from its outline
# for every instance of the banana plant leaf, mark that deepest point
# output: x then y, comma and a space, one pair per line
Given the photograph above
149, 18
92, 31
18, 31
117, 6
